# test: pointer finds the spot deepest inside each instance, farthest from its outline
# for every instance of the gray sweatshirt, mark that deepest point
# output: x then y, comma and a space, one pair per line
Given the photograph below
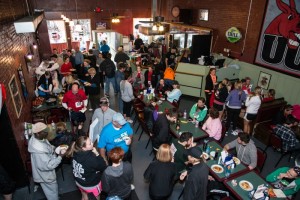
247, 154
126, 91
43, 160
104, 118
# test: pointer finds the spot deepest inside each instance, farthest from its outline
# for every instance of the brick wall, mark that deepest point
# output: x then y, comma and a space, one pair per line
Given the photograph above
226, 14
13, 48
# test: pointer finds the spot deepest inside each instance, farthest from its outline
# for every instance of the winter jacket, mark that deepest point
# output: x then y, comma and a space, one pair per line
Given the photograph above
104, 118
236, 98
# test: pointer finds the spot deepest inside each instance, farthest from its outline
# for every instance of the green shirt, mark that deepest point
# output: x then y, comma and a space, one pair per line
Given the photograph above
273, 178
201, 114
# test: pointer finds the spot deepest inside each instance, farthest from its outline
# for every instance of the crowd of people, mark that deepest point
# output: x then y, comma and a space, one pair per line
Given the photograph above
105, 167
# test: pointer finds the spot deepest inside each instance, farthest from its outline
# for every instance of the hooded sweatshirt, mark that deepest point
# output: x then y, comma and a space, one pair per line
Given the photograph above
116, 181
236, 98
88, 168
247, 154
43, 160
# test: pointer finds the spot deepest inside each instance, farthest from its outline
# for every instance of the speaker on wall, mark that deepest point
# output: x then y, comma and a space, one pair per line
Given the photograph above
201, 45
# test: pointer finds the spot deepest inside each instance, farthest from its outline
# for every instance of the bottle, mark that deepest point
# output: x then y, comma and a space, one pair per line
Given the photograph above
204, 146
207, 149
216, 155
184, 114
197, 124
53, 125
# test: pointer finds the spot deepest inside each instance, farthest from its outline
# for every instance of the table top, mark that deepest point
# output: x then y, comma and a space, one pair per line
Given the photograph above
252, 177
215, 146
185, 125
162, 105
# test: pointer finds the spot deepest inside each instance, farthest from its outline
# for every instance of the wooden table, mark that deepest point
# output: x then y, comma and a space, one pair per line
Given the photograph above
239, 169
254, 178
185, 125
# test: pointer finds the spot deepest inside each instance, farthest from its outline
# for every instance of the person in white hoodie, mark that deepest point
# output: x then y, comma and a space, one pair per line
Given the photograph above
44, 160
252, 103
126, 96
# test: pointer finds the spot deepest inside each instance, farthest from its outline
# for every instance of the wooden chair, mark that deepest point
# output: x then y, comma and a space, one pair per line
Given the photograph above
276, 143
261, 159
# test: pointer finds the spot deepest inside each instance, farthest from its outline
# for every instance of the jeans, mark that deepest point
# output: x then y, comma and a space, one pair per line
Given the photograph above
107, 83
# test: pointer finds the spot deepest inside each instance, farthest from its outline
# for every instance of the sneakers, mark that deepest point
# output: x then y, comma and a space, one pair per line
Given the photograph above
129, 121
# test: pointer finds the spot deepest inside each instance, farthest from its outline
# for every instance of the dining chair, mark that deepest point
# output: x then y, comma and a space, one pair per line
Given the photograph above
261, 158
276, 143
176, 103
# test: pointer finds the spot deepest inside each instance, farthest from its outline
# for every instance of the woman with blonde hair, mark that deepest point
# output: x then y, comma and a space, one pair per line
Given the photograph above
161, 174
253, 103
88, 167
234, 102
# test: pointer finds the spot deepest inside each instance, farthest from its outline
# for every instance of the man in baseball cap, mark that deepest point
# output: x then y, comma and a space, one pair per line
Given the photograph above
118, 133
44, 160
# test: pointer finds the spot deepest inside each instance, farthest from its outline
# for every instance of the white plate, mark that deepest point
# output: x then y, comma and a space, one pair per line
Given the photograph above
162, 99
205, 156
61, 147
217, 168
159, 102
236, 160
246, 185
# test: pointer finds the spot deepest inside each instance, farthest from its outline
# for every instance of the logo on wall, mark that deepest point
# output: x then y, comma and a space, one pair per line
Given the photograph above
279, 41
233, 35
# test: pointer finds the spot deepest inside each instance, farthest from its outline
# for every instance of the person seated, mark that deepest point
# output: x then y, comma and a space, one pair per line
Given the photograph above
245, 148
270, 96
281, 116
161, 128
138, 78
179, 150
45, 85
62, 135
66, 68
287, 132
162, 87
169, 76
175, 94
285, 178
199, 111
213, 125
161, 174
150, 77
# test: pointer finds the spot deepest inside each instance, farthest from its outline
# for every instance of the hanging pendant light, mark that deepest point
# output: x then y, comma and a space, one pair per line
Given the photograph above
154, 27
161, 28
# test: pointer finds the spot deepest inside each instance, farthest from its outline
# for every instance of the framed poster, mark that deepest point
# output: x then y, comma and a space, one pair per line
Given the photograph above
56, 31
23, 83
15, 94
203, 14
278, 46
264, 80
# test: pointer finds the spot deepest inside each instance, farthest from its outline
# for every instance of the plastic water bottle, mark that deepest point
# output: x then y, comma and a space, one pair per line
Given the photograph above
53, 125
207, 149
184, 114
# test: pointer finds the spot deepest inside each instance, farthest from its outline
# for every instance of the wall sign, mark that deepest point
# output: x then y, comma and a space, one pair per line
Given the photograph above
278, 46
233, 35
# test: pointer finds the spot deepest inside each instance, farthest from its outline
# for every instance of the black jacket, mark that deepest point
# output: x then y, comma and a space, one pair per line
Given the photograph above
209, 85
116, 181
94, 88
88, 168
121, 57
161, 176
108, 67
148, 115
196, 183
161, 130
153, 79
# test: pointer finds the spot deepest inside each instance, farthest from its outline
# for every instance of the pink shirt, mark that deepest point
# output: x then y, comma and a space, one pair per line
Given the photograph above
213, 127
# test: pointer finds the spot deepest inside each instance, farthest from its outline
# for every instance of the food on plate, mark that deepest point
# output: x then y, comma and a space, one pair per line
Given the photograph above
38, 101
217, 169
245, 185
236, 160
51, 100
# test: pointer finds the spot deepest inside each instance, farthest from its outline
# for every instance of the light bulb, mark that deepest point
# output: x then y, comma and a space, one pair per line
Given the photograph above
71, 23
154, 28
34, 46
161, 28
117, 20
29, 56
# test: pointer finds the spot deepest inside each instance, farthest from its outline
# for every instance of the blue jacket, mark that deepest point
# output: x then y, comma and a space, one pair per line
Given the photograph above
236, 98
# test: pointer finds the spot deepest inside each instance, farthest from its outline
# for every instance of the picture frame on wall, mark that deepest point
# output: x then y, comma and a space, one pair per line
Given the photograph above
264, 80
23, 83
15, 94
203, 14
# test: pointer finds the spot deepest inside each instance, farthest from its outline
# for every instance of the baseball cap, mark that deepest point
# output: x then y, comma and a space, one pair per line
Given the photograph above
104, 101
195, 152
118, 117
38, 127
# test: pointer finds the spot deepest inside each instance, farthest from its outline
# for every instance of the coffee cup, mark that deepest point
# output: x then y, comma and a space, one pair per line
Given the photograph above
127, 140
212, 155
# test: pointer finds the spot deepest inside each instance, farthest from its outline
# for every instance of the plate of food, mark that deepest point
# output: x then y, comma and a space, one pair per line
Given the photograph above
162, 99
205, 156
217, 168
159, 102
61, 149
236, 160
246, 185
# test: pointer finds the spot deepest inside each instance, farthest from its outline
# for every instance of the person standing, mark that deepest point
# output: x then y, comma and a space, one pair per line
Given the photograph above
88, 167
109, 69
119, 77
104, 114
104, 48
76, 101
117, 178
170, 60
92, 87
78, 59
210, 82
44, 160
137, 43
100, 59
121, 56
127, 96
161, 174
118, 133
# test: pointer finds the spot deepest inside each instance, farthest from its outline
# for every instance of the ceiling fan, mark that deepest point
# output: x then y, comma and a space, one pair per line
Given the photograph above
115, 18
